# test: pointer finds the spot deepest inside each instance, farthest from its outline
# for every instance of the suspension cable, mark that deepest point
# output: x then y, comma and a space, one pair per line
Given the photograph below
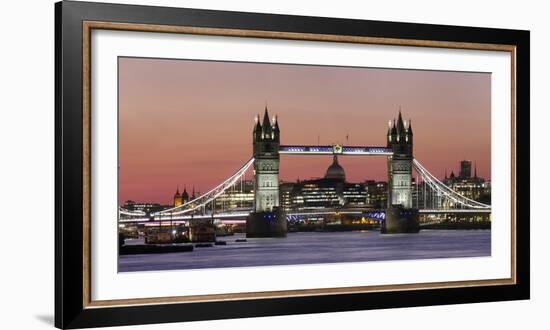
209, 195
440, 187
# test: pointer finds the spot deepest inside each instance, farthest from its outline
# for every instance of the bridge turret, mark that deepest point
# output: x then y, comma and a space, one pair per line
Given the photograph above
400, 217
393, 134
265, 219
267, 129
400, 163
409, 139
401, 137
389, 135
257, 133
276, 130
266, 167
400, 128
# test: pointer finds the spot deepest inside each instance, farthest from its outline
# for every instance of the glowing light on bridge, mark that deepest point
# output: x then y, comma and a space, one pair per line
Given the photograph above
444, 191
196, 208
334, 149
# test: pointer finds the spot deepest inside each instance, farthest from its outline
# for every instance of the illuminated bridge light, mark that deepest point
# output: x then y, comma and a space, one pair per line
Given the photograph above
359, 150
192, 209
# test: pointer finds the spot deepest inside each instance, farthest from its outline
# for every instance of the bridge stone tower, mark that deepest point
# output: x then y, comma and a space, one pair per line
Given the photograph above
267, 219
400, 216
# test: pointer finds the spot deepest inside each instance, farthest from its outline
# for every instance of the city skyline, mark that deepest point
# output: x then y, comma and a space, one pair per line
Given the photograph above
190, 122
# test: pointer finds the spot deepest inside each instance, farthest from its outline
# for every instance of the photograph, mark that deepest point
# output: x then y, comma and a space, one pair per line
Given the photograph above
252, 164
223, 164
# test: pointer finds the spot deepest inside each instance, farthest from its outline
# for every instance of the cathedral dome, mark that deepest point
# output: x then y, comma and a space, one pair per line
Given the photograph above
335, 171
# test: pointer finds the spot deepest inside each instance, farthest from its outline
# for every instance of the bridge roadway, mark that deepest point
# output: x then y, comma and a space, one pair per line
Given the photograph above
334, 149
242, 214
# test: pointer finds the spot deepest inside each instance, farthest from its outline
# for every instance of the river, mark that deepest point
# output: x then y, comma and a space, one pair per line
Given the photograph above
318, 247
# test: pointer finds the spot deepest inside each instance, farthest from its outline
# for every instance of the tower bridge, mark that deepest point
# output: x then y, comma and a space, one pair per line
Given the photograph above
266, 218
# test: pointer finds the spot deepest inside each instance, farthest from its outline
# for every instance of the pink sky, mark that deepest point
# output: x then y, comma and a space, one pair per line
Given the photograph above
189, 123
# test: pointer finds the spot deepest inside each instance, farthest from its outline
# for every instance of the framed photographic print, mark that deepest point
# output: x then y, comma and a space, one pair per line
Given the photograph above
215, 164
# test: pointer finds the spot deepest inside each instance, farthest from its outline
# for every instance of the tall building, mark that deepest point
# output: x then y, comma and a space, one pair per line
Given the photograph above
145, 207
285, 195
473, 187
266, 165
400, 140
354, 194
377, 193
330, 191
240, 196
465, 169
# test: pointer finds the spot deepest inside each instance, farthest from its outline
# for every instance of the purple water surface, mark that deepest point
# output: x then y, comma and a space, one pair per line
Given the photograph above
319, 247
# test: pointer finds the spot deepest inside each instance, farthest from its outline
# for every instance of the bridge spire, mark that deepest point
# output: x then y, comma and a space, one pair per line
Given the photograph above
400, 124
257, 133
266, 124
388, 135
276, 129
393, 132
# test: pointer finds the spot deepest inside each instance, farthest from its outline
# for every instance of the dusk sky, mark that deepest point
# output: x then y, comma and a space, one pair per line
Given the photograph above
189, 123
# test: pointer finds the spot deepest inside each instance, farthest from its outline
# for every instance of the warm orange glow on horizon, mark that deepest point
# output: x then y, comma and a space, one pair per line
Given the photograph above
189, 123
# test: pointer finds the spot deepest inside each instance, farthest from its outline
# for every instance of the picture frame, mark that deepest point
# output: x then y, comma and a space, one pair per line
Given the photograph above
74, 304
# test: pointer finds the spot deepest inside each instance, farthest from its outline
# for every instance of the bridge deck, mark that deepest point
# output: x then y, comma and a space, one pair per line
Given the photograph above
336, 149
243, 214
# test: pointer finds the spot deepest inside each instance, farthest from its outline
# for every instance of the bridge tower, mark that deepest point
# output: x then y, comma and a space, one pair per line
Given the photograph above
267, 219
400, 216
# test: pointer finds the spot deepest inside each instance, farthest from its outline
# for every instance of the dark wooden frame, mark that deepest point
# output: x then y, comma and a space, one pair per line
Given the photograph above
73, 21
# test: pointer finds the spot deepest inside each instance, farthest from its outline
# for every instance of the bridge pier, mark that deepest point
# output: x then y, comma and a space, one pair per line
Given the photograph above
400, 220
266, 224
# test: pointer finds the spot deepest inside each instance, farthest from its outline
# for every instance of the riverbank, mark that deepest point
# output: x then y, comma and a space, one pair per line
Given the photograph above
374, 227
458, 225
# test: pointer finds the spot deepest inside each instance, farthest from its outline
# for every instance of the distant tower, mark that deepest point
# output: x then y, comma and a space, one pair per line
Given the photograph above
465, 169
266, 165
400, 140
177, 198
185, 195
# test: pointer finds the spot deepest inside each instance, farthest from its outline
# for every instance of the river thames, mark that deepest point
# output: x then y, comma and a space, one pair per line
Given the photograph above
318, 247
